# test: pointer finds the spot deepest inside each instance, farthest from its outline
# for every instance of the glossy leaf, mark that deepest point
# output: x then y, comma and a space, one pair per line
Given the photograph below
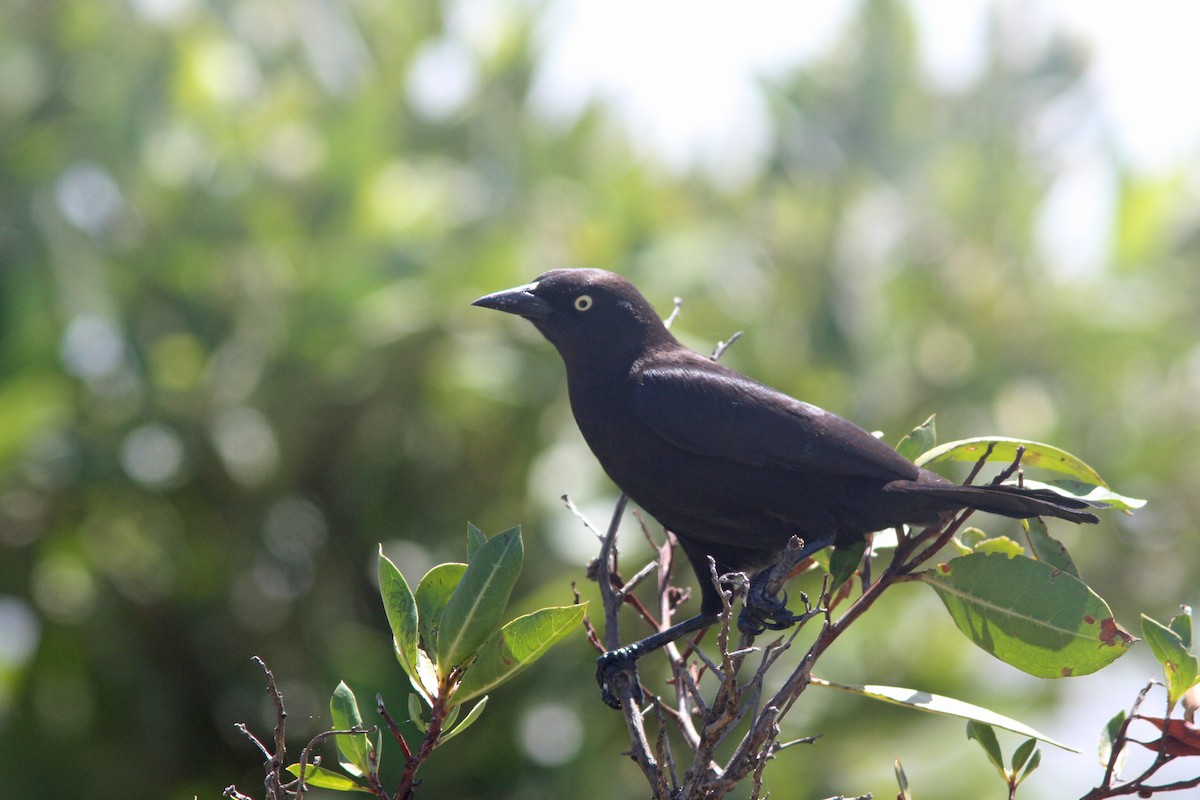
1001, 545
1036, 454
515, 646
1180, 668
921, 439
939, 704
1028, 614
1092, 492
352, 749
322, 778
477, 605
433, 592
401, 609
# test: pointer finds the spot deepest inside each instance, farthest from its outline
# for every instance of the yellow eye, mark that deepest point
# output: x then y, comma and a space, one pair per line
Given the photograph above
583, 302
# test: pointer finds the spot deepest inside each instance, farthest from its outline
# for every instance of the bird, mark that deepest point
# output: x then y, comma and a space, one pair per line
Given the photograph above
732, 467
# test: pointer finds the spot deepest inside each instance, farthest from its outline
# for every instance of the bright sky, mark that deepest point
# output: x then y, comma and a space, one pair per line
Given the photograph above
681, 71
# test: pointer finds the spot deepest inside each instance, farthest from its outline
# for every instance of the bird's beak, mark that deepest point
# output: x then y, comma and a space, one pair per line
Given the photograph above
519, 300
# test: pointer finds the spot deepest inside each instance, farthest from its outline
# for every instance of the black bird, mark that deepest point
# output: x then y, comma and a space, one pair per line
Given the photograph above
732, 467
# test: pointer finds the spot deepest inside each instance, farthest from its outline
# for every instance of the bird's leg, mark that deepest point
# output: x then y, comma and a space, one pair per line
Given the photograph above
624, 659
761, 611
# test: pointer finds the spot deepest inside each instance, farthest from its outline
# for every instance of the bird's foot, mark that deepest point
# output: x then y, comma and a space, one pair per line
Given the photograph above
615, 663
760, 612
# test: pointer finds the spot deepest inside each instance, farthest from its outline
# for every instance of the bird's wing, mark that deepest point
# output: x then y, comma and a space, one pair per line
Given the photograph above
706, 409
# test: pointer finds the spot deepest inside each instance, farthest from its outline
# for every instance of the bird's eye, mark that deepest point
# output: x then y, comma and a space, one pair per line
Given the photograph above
583, 302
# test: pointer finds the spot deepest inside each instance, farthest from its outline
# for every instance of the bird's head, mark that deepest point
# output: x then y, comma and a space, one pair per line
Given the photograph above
593, 317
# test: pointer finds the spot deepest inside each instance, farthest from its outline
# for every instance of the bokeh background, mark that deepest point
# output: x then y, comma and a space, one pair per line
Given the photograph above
238, 239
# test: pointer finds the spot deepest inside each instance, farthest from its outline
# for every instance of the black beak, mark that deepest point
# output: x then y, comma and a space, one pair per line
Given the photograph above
519, 300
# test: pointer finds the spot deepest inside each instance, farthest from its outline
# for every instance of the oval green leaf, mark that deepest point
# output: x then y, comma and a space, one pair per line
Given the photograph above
1039, 619
432, 594
987, 740
322, 778
401, 610
939, 704
476, 607
515, 646
352, 749
1036, 454
1180, 668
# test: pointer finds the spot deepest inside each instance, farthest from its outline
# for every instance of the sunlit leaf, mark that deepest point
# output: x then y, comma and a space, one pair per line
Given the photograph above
939, 704
1181, 623
1180, 668
1036, 454
921, 439
1001, 545
1046, 548
401, 609
515, 646
1091, 492
352, 749
1108, 740
321, 778
475, 609
433, 592
1028, 614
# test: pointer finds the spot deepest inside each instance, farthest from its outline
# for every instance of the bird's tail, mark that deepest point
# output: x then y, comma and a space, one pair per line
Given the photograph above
1011, 501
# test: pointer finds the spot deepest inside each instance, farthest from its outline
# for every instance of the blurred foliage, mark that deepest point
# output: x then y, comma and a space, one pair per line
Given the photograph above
237, 244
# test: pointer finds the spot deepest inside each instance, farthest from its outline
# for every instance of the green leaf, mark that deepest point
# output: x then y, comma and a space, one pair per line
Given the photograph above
920, 439
1084, 490
987, 740
401, 610
416, 713
1108, 740
475, 540
433, 592
1028, 614
844, 560
1002, 545
321, 778
477, 605
515, 646
467, 722
1022, 754
1180, 668
1036, 454
1181, 623
938, 704
1035, 761
353, 749
1046, 548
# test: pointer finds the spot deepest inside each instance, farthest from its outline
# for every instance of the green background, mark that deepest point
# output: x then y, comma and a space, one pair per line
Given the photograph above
236, 352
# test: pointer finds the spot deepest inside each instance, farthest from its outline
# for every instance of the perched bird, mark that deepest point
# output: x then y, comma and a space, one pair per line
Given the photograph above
732, 467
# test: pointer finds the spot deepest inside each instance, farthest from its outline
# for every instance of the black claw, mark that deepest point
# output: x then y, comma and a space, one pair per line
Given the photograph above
622, 661
760, 612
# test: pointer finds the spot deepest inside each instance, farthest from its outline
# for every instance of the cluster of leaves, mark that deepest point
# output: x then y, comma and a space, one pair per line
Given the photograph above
452, 644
